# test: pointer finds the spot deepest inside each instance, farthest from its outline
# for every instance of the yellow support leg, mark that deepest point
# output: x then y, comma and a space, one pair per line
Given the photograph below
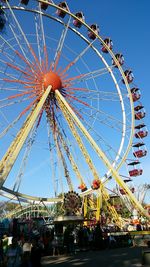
87, 157
102, 156
12, 153
98, 207
85, 209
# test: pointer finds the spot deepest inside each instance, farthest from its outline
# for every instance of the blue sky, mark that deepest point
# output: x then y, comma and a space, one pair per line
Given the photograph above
127, 23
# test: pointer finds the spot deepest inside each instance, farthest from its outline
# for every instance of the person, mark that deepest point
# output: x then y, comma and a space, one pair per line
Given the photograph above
27, 245
146, 255
98, 237
1, 253
112, 241
26, 253
5, 243
13, 257
36, 253
55, 246
71, 239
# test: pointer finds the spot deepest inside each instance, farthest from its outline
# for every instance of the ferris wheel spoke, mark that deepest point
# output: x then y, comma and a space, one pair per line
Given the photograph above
20, 174
79, 141
7, 75
100, 138
61, 44
107, 147
7, 162
72, 63
17, 24
12, 89
13, 29
14, 78
66, 172
86, 99
100, 153
107, 119
61, 164
19, 70
55, 153
66, 148
11, 57
94, 74
13, 102
19, 42
6, 55
88, 76
9, 125
52, 154
3, 62
90, 119
102, 121
6, 42
86, 156
24, 39
98, 95
40, 35
4, 117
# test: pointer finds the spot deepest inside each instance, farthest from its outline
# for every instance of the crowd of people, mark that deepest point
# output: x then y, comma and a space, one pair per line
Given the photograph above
27, 249
16, 253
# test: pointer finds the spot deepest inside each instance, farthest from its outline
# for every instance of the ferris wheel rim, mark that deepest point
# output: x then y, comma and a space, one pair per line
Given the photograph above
9, 193
113, 56
130, 139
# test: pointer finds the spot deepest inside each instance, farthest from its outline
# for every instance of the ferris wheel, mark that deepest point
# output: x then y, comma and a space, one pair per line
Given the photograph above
67, 114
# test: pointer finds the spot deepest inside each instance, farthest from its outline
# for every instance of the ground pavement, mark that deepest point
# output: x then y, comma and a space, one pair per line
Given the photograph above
118, 257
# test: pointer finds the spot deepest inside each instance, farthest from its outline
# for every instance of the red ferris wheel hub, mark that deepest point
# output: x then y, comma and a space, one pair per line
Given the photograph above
53, 79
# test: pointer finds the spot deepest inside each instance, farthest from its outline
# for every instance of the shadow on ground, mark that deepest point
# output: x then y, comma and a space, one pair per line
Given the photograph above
123, 257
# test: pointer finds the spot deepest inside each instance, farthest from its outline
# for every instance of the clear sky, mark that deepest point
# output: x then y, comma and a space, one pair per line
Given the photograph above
127, 23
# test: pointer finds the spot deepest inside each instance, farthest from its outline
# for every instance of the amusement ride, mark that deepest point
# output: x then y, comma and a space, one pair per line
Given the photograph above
71, 117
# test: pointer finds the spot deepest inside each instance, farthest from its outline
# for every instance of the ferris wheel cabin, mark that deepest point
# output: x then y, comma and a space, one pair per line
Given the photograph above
109, 43
129, 76
95, 184
135, 94
139, 115
141, 134
140, 126
61, 13
120, 59
95, 28
24, 2
82, 187
139, 107
77, 22
123, 192
134, 171
2, 20
140, 152
44, 6
55, 121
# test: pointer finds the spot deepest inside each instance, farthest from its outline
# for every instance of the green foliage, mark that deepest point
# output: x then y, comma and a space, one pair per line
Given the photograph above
123, 210
6, 207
